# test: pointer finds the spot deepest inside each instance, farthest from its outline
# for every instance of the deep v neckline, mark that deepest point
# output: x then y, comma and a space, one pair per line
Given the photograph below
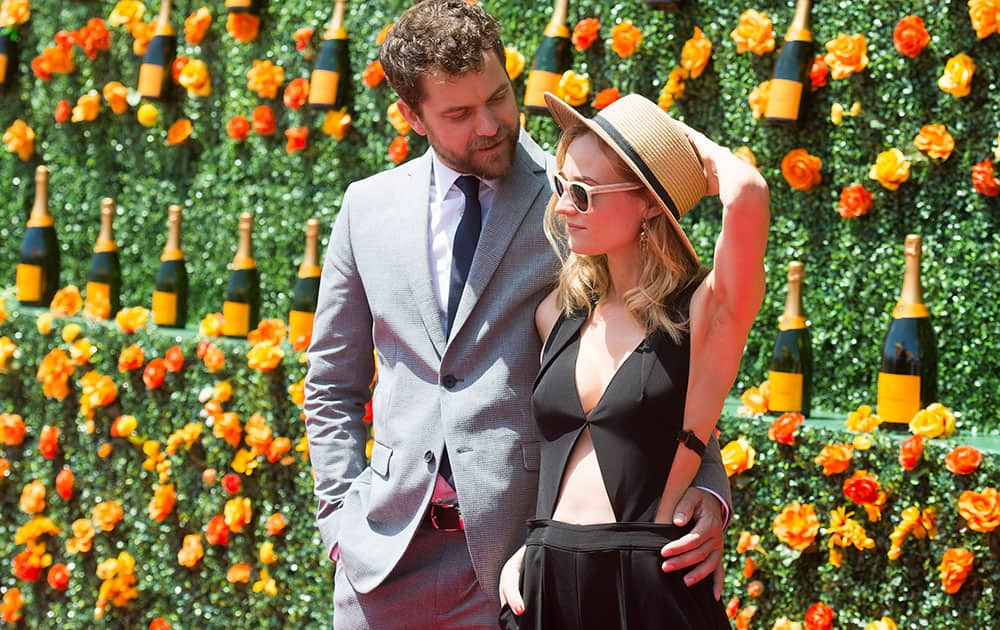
576, 385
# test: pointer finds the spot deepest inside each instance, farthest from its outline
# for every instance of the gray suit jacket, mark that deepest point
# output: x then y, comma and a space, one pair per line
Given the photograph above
471, 391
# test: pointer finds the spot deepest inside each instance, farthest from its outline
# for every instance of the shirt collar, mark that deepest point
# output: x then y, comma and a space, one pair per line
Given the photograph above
445, 176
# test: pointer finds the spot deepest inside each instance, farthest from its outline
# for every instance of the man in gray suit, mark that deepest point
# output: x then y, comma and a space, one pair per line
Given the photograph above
437, 266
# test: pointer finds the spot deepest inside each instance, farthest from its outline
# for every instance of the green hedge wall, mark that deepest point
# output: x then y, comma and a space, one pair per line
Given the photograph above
854, 267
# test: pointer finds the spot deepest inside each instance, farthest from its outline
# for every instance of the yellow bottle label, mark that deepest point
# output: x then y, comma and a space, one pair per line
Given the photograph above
243, 263
171, 253
323, 87
784, 99
238, 5
791, 323
540, 82
44, 220
557, 30
150, 80
909, 310
798, 35
3, 68
310, 271
164, 308
898, 397
98, 300
30, 283
786, 391
300, 324
236, 319
105, 246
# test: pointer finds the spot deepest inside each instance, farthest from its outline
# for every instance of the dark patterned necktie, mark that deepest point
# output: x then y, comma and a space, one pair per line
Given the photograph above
466, 238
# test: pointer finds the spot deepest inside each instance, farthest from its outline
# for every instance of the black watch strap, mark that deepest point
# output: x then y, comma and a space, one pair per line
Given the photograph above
690, 440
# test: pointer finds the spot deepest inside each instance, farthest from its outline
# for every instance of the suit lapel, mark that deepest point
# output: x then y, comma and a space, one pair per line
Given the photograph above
514, 199
414, 253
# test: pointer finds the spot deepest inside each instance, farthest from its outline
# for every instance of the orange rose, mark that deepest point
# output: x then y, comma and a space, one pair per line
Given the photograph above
749, 567
7, 347
846, 55
935, 141
910, 452
756, 399
87, 107
54, 372
373, 74
239, 573
301, 37
93, 37
196, 25
985, 17
216, 532
957, 77
227, 427
801, 170
278, 448
115, 94
107, 514
191, 551
758, 99
585, 33
835, 458
981, 510
97, 391
862, 488
126, 12
131, 358
399, 149
754, 33
244, 27
83, 537
142, 34
695, 53
855, 201
63, 111
194, 77
891, 168
58, 577
963, 460
173, 360
737, 457
673, 89
910, 37
33, 497
132, 319
238, 128
265, 78
162, 504
66, 302
336, 123
266, 553
296, 93
796, 525
48, 441
214, 359
258, 433
783, 429
14, 12
275, 524
297, 139
265, 356
263, 122
956, 563
65, 481
237, 514
817, 73
12, 429
124, 426
159, 623
179, 131
819, 617
983, 179
605, 97
625, 39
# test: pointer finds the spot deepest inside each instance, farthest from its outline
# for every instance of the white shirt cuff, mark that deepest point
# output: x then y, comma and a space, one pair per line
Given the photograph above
725, 507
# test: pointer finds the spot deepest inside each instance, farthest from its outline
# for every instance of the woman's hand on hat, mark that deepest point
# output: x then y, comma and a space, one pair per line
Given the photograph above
739, 177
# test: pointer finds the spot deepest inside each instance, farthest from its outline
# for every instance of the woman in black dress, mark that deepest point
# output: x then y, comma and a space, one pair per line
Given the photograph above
642, 344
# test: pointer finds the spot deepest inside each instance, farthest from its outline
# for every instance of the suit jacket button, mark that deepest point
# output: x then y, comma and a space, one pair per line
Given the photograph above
449, 381
429, 456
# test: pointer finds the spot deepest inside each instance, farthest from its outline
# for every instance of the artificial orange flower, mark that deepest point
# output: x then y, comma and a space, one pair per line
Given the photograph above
297, 392
754, 33
222, 391
106, 515
855, 201
862, 487
93, 37
985, 17
194, 77
934, 421
573, 88
64, 483
173, 359
846, 55
695, 53
7, 350
514, 62
396, 119
266, 553
186, 436
159, 623
891, 169
179, 131
605, 97
14, 12
819, 616
227, 427
124, 425
126, 12
835, 458
238, 128
216, 531
336, 123
983, 179
277, 448
265, 78
258, 434
738, 456
910, 37
265, 356
132, 319
97, 391
801, 170
58, 577
104, 451
275, 524
33, 497
817, 73
585, 33
296, 93
981, 510
264, 124
935, 141
956, 563
142, 34
373, 74
844, 531
162, 503
749, 567
131, 358
784, 623
244, 27
298, 138
28, 564
67, 301
115, 94
755, 589
237, 514
20, 139
83, 537
196, 25
48, 441
12, 429
63, 111
214, 359
191, 551
239, 573
118, 586
783, 429
399, 149
302, 37
625, 38
957, 77
153, 375
54, 372
796, 525
963, 460
910, 451
758, 99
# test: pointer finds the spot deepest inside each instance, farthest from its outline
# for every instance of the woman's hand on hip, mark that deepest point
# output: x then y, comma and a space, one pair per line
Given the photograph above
510, 578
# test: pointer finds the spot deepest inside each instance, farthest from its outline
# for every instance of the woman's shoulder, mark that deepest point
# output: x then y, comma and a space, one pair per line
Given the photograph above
547, 314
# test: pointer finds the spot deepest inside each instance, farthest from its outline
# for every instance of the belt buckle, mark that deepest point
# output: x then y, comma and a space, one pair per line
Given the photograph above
447, 518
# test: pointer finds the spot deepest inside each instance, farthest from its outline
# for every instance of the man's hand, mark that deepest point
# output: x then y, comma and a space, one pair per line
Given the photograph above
701, 548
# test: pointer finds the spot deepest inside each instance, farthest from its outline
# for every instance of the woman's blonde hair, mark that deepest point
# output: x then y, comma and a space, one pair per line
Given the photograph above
665, 273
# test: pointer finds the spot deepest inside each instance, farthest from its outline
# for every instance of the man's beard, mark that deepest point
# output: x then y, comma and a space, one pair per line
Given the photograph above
492, 166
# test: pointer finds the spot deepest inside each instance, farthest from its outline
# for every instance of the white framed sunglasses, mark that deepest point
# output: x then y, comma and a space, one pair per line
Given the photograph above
580, 194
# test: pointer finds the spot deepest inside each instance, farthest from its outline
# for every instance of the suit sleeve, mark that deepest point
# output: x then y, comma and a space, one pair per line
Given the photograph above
712, 476
341, 365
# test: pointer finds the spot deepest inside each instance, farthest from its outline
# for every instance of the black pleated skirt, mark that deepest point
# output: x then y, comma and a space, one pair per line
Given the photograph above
608, 576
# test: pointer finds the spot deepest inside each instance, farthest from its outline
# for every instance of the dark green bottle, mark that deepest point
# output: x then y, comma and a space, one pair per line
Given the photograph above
241, 309
104, 281
171, 292
155, 71
790, 375
300, 318
38, 265
8, 62
790, 83
554, 57
329, 83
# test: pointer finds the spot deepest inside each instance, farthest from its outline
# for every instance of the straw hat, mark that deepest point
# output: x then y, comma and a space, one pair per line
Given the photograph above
654, 146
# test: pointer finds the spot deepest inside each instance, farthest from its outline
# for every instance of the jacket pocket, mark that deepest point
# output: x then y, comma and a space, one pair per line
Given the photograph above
532, 455
381, 454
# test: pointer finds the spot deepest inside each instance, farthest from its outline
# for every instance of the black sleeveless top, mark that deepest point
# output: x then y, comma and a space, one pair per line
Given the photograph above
633, 426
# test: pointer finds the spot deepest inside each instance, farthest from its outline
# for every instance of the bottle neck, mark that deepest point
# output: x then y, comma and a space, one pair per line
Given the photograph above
310, 261
799, 29
244, 252
172, 250
106, 238
793, 318
336, 29
40, 216
911, 293
163, 26
557, 25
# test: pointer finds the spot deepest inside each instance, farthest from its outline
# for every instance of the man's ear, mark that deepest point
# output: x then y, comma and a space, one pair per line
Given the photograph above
412, 117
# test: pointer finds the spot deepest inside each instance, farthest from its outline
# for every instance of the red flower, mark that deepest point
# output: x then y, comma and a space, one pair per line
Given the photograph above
216, 531
302, 37
910, 451
399, 149
27, 566
296, 93
153, 375
93, 38
231, 483
606, 97
65, 39
63, 110
855, 201
783, 429
174, 358
58, 577
817, 73
983, 179
48, 442
263, 120
42, 68
298, 138
862, 488
963, 460
585, 33
64, 483
368, 417
177, 67
159, 623
202, 348
910, 37
819, 617
238, 128
373, 74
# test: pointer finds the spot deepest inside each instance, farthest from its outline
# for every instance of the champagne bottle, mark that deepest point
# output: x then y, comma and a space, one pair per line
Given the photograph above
8, 62
300, 319
791, 72
38, 267
329, 85
666, 5
241, 310
240, 6
104, 281
907, 379
554, 57
171, 292
154, 73
791, 363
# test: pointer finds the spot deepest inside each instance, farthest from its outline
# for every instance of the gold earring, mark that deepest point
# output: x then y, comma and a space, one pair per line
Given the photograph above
642, 236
